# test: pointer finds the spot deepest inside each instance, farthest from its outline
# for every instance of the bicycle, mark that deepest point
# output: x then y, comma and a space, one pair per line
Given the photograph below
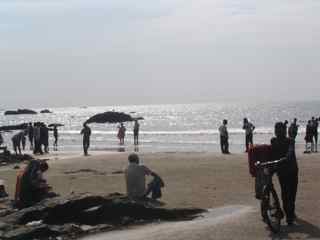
270, 205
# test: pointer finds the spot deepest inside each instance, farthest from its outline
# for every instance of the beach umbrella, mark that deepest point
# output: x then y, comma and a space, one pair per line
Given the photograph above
55, 125
14, 127
110, 117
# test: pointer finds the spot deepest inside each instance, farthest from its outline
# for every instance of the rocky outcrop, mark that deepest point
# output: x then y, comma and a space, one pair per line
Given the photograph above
45, 111
20, 111
7, 158
73, 216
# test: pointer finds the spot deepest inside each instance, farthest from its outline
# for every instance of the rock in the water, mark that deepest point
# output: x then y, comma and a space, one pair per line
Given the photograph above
20, 111
45, 111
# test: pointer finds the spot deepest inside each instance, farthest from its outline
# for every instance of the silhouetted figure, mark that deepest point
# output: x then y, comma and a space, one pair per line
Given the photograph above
23, 140
31, 186
30, 135
293, 129
288, 170
86, 132
55, 135
286, 127
37, 139
121, 133
249, 128
136, 128
1, 139
309, 138
224, 137
315, 125
17, 141
44, 137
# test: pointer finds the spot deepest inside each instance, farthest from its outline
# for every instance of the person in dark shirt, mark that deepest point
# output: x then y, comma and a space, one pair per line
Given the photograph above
44, 137
286, 127
55, 135
309, 138
30, 135
315, 125
1, 139
86, 132
282, 147
293, 129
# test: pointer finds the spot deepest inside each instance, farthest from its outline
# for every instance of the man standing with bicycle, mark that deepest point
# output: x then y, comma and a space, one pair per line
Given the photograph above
288, 170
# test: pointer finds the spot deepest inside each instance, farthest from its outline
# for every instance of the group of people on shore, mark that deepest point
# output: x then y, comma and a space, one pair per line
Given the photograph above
32, 187
38, 136
248, 127
311, 137
122, 133
86, 133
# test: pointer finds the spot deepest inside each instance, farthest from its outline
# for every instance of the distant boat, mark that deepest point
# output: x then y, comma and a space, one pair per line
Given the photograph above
20, 111
84, 107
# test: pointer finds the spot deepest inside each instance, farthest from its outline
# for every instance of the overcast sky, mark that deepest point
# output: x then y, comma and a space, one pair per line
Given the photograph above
98, 52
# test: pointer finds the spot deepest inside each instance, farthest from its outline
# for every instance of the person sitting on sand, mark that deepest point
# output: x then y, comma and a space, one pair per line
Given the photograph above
31, 187
135, 176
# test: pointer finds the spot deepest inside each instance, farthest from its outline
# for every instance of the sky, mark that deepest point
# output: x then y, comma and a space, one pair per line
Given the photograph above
76, 52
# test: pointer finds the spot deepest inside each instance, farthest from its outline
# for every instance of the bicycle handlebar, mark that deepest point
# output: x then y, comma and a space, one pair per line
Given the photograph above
269, 163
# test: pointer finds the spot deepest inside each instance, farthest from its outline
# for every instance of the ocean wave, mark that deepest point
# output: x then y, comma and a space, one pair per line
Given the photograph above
233, 131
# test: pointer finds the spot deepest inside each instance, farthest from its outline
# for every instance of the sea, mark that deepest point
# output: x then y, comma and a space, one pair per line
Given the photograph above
171, 127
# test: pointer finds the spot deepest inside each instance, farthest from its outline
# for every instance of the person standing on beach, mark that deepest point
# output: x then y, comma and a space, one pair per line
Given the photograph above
286, 127
309, 138
136, 128
293, 130
30, 135
1, 139
249, 128
287, 172
224, 137
37, 139
55, 135
121, 133
86, 132
44, 137
17, 141
315, 125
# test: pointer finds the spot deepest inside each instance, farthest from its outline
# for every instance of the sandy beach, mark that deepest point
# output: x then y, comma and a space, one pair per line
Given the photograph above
203, 180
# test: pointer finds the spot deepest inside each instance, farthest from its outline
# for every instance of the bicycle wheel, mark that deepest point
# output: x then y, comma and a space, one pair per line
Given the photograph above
270, 209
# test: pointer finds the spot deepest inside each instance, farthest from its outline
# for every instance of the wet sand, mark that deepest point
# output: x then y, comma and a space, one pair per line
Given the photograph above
203, 180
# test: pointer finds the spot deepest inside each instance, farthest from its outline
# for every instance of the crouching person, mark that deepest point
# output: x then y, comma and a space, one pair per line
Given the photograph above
135, 175
31, 187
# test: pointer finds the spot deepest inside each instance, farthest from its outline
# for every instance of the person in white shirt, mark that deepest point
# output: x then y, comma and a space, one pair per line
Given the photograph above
249, 128
224, 137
